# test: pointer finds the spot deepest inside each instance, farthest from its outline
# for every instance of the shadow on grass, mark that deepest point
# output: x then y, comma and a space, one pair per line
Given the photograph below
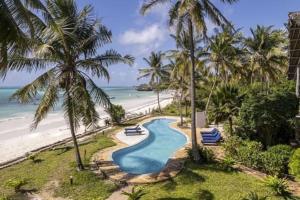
37, 161
170, 185
170, 198
188, 176
214, 167
205, 195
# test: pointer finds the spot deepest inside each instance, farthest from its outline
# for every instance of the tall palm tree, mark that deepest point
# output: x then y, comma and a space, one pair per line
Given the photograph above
68, 48
19, 23
223, 55
191, 15
226, 102
267, 57
156, 71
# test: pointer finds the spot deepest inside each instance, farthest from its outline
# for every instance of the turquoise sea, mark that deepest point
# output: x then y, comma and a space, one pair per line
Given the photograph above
12, 109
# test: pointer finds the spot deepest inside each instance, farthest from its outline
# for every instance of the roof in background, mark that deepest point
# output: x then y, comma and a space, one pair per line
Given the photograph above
294, 44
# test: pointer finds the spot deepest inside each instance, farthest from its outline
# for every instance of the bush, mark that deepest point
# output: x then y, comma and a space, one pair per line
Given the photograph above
16, 184
278, 185
276, 159
207, 155
266, 117
231, 146
228, 163
294, 165
134, 194
116, 112
250, 154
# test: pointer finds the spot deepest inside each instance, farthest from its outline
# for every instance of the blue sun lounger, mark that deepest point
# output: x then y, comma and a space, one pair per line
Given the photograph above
211, 137
137, 128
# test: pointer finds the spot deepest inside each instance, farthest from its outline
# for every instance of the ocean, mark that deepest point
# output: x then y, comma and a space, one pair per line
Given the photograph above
10, 109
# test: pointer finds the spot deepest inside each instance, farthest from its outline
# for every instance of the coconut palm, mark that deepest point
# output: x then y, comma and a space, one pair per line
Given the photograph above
226, 102
19, 23
68, 48
190, 15
267, 57
223, 55
156, 71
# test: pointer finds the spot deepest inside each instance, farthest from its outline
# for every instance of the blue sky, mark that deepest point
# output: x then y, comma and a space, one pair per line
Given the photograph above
139, 35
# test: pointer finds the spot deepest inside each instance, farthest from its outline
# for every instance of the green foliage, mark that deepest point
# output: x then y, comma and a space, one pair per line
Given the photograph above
134, 194
254, 196
228, 163
31, 156
250, 154
266, 115
274, 161
278, 185
226, 102
116, 112
15, 184
206, 154
294, 165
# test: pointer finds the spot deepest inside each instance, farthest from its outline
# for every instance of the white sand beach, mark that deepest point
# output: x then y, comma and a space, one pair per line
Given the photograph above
16, 138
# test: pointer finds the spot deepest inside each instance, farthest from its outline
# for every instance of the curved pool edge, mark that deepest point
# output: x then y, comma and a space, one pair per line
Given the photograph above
173, 166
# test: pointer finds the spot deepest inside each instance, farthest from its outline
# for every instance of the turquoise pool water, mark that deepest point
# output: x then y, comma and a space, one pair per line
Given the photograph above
152, 154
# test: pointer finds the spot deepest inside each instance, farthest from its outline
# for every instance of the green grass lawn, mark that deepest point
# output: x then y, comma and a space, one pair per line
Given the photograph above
207, 182
58, 165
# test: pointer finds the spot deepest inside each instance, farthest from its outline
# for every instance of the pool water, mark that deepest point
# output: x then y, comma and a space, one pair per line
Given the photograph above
152, 154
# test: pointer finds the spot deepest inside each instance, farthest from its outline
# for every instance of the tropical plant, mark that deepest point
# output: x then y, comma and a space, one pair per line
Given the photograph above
226, 102
266, 117
134, 194
294, 164
278, 185
224, 57
68, 48
16, 184
267, 57
206, 154
190, 15
156, 71
254, 196
116, 112
19, 24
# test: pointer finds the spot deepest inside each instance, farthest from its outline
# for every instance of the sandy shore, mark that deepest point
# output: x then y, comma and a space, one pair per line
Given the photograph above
16, 138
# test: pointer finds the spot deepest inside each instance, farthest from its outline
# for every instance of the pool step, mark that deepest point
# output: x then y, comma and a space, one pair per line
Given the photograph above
110, 169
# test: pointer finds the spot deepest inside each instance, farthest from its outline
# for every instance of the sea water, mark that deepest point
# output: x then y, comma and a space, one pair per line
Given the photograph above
11, 109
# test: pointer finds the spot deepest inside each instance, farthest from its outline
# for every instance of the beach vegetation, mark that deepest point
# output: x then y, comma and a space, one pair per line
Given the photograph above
157, 73
68, 49
116, 113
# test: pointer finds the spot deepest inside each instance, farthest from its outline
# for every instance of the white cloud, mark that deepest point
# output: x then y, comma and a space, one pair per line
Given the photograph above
148, 35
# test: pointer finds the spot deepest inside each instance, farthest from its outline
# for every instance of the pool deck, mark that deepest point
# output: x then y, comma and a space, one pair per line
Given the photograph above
106, 165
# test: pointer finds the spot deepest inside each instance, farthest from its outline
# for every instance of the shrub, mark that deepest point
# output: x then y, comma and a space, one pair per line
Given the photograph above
134, 194
278, 185
254, 196
250, 154
207, 155
231, 146
276, 159
16, 184
294, 165
116, 112
266, 117
228, 163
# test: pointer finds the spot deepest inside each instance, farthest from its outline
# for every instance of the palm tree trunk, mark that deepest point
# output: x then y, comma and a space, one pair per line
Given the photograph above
186, 107
180, 102
158, 101
71, 123
210, 94
192, 89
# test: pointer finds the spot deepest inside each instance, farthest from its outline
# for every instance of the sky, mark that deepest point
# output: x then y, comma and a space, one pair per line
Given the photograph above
138, 35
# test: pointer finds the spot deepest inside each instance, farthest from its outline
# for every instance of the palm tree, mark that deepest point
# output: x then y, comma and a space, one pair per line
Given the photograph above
267, 57
18, 25
156, 71
134, 194
226, 102
223, 55
190, 15
67, 47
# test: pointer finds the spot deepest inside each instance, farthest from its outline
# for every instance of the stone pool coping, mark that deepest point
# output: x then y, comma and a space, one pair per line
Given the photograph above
173, 166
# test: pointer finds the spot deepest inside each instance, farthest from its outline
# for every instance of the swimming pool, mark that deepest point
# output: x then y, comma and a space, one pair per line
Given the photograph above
152, 154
